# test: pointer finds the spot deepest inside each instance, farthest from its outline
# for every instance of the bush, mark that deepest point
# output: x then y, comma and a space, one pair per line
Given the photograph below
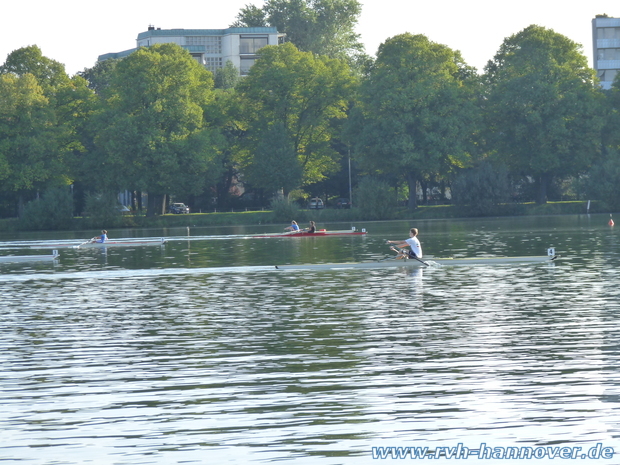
102, 210
284, 210
375, 199
54, 210
482, 189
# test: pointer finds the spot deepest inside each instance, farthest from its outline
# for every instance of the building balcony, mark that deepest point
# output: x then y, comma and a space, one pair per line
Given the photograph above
607, 43
608, 64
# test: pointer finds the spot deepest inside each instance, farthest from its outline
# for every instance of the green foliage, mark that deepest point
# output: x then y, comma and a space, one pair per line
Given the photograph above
284, 210
227, 77
54, 210
482, 188
603, 182
99, 76
102, 210
50, 74
250, 16
275, 164
375, 199
323, 27
151, 134
28, 145
416, 113
43, 119
543, 107
301, 95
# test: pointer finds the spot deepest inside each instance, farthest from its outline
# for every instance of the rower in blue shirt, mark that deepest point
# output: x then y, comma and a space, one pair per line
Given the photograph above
102, 238
293, 227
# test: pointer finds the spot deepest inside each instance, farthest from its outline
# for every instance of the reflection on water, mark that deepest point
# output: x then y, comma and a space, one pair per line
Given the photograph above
170, 362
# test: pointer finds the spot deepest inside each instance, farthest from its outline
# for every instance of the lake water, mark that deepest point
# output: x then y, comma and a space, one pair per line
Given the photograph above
191, 353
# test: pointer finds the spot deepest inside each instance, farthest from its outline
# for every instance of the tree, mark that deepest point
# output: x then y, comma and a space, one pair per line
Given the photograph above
98, 77
29, 152
46, 131
375, 199
225, 113
299, 94
543, 107
151, 133
481, 188
275, 164
50, 74
324, 27
227, 77
76, 105
250, 16
53, 210
416, 111
603, 182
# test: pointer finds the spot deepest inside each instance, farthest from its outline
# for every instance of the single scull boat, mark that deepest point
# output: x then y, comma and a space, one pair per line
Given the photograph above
414, 263
114, 243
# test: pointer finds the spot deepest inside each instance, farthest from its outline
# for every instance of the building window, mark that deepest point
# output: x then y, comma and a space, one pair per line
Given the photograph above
610, 75
609, 54
249, 45
246, 64
212, 44
213, 63
608, 33
198, 58
607, 75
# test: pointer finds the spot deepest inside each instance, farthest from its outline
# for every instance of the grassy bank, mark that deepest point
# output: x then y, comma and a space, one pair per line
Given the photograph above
320, 216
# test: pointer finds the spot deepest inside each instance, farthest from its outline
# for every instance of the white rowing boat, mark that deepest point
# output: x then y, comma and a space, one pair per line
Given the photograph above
28, 258
114, 243
123, 243
414, 263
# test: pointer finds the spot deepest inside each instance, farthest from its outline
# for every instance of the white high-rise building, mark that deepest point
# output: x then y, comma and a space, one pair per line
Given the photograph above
211, 47
606, 48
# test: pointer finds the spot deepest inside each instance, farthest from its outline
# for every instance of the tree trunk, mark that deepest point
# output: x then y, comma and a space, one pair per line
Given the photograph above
155, 204
140, 204
424, 185
150, 205
20, 205
223, 188
544, 181
413, 191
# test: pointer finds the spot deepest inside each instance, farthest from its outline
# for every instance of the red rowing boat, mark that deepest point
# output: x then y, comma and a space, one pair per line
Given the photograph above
318, 233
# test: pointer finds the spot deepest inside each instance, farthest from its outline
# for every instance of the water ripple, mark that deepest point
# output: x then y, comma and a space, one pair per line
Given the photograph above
169, 366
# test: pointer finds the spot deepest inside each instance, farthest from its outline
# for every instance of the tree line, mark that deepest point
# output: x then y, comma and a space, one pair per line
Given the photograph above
414, 121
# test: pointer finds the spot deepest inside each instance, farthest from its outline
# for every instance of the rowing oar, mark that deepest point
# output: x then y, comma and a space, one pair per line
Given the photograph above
421, 261
83, 243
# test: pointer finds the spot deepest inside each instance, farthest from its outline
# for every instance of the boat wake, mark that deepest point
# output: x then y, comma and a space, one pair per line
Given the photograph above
98, 275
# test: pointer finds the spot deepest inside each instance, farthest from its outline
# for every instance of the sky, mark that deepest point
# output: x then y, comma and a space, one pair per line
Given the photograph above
76, 33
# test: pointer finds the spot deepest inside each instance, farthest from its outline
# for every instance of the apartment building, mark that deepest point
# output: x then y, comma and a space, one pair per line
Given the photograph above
211, 47
606, 45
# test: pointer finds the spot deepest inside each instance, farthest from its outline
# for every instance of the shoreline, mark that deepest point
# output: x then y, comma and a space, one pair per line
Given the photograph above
325, 216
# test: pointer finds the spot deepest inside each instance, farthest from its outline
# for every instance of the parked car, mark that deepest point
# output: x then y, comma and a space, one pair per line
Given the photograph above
178, 208
316, 203
343, 203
